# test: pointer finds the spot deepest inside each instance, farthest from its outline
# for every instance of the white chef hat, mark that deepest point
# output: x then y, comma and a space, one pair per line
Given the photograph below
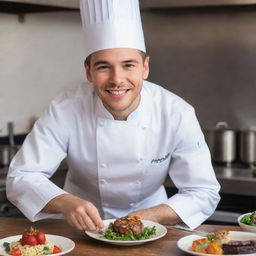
111, 24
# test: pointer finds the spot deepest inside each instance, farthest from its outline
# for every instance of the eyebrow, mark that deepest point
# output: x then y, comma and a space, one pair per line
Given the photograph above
102, 62
131, 60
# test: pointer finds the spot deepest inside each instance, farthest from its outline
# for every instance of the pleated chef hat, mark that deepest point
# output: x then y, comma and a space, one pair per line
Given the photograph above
111, 24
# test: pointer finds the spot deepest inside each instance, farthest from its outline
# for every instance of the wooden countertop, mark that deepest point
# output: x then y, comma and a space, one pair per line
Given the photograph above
166, 246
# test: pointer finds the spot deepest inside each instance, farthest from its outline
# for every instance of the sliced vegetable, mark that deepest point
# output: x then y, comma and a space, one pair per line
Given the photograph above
200, 245
56, 249
15, 252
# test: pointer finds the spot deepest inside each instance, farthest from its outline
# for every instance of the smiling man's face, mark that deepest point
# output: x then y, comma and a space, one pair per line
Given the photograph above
117, 76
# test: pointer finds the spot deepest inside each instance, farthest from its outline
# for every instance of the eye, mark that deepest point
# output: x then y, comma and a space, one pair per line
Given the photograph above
129, 65
102, 67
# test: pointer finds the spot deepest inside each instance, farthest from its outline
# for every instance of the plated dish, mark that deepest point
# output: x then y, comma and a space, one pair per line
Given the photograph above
160, 232
246, 223
64, 243
185, 243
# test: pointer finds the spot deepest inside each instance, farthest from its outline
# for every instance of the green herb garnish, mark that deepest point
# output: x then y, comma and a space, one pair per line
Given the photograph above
211, 236
6, 246
249, 219
147, 233
47, 250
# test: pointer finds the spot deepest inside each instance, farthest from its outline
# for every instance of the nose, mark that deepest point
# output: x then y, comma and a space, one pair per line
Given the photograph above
117, 76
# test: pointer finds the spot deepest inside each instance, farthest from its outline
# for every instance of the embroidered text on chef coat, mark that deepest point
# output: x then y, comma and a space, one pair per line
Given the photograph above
160, 160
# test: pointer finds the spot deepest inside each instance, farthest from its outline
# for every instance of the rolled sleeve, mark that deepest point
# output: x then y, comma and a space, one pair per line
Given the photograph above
192, 173
28, 185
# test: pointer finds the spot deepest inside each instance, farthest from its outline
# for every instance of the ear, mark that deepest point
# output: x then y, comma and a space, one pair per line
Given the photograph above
146, 68
87, 71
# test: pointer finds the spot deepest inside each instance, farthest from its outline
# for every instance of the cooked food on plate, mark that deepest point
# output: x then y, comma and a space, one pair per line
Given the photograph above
129, 228
249, 219
205, 245
240, 247
32, 243
219, 243
212, 244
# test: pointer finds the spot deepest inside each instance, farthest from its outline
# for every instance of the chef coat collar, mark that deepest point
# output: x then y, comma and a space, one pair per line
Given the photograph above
141, 112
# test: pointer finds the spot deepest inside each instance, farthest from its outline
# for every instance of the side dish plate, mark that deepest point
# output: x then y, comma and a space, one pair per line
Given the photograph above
160, 232
64, 243
185, 243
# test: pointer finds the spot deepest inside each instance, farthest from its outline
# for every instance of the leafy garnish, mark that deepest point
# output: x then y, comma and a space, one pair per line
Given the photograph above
211, 236
6, 246
248, 219
147, 233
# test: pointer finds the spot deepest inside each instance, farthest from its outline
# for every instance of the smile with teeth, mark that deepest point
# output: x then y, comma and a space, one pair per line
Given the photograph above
117, 92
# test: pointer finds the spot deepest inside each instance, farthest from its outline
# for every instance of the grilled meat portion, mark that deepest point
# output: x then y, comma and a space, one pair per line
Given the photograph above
127, 225
239, 247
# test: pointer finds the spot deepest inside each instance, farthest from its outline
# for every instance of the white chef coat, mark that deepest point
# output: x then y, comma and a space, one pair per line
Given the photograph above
119, 166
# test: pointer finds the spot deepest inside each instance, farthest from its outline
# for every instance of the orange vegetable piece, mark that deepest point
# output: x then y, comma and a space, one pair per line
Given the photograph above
214, 248
200, 245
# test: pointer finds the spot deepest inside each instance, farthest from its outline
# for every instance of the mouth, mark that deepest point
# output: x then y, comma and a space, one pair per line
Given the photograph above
118, 92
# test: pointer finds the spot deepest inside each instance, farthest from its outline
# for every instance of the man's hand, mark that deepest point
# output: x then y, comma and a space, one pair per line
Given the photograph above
79, 213
161, 213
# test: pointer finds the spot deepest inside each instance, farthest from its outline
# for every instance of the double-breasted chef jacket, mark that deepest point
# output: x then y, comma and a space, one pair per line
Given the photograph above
119, 166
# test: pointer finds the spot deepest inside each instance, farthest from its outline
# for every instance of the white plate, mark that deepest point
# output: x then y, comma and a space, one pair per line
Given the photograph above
185, 243
64, 243
246, 227
160, 232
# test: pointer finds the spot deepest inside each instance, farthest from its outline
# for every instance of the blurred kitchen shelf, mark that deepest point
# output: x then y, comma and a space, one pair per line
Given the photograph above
192, 3
25, 7
55, 3
144, 4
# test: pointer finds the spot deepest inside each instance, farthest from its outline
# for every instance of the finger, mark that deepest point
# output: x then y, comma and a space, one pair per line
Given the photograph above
86, 222
94, 215
74, 222
82, 223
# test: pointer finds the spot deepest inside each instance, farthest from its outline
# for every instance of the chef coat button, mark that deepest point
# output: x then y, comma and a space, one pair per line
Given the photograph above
138, 182
101, 124
103, 165
132, 204
102, 181
141, 158
144, 127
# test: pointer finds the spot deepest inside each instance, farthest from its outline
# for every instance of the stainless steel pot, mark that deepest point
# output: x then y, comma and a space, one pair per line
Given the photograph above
222, 143
247, 147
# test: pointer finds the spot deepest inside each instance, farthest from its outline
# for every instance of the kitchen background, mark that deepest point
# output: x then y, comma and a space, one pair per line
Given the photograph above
206, 55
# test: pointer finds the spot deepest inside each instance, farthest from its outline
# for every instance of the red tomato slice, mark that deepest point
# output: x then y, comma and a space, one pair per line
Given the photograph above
15, 252
56, 249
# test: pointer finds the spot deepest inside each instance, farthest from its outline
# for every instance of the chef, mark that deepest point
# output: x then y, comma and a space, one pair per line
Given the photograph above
122, 136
